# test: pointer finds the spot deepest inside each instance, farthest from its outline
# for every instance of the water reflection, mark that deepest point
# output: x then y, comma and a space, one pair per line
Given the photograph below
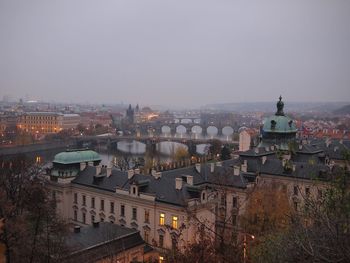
133, 147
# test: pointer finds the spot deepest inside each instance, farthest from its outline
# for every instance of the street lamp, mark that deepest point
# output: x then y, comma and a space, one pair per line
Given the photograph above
245, 245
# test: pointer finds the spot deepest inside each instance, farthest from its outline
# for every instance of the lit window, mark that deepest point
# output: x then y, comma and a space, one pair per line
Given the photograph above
161, 259
162, 219
174, 222
146, 216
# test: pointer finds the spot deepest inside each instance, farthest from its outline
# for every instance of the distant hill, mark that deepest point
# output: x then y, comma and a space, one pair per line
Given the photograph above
343, 110
290, 106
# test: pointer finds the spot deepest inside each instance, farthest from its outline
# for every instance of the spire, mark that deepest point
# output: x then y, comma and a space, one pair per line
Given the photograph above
280, 106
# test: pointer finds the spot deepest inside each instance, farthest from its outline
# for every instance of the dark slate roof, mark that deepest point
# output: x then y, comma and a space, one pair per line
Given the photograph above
262, 152
335, 149
302, 170
90, 237
164, 188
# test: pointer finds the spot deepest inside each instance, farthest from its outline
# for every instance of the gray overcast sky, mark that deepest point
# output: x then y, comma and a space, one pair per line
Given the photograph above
180, 52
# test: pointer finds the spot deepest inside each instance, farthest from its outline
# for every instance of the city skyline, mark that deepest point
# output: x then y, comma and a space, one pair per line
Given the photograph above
183, 54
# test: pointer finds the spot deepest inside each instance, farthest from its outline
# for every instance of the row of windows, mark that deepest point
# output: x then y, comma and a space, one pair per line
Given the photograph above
174, 219
234, 201
296, 191
40, 118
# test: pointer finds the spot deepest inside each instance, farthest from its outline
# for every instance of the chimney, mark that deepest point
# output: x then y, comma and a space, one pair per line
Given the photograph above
82, 166
244, 167
212, 167
96, 224
300, 147
284, 161
236, 170
189, 179
130, 173
109, 171
267, 149
294, 166
256, 150
98, 169
263, 159
76, 229
157, 175
178, 183
272, 147
137, 171
198, 167
219, 164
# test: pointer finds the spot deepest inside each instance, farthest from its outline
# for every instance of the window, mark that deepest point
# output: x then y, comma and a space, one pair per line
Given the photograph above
307, 191
75, 198
161, 259
134, 213
84, 200
146, 236
173, 243
223, 200
146, 216
134, 190
234, 202
112, 208
122, 210
75, 215
174, 223
102, 205
296, 206
92, 218
203, 196
234, 220
84, 218
319, 193
92, 202
161, 240
162, 219
296, 190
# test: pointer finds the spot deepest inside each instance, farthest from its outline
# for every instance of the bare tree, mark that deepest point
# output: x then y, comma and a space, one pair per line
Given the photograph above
32, 231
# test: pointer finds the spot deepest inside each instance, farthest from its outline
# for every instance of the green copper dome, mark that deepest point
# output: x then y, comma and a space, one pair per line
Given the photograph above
279, 124
70, 157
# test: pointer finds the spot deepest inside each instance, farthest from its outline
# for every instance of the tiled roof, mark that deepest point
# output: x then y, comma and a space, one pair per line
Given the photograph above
163, 188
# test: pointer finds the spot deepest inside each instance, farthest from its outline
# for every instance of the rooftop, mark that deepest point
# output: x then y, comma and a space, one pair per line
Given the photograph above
77, 156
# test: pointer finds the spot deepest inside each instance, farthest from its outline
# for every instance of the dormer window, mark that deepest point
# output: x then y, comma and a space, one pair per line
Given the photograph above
273, 124
203, 196
134, 190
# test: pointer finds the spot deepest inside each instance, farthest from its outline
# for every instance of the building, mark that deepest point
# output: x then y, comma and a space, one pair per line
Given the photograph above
278, 130
246, 139
47, 122
164, 206
105, 242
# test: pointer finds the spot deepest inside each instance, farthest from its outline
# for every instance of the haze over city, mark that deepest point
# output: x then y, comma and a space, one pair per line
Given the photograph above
178, 53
